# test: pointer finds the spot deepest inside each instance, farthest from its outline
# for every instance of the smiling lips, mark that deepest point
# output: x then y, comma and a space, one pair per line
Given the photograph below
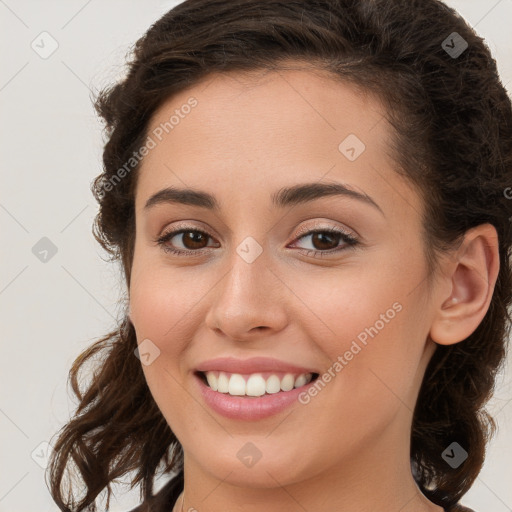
251, 389
255, 384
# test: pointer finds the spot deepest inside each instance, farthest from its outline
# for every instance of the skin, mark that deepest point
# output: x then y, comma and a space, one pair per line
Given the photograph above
348, 448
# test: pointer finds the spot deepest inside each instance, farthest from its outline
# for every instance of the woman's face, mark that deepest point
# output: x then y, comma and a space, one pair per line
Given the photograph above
252, 286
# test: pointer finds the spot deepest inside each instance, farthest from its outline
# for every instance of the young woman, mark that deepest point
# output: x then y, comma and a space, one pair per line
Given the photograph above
310, 202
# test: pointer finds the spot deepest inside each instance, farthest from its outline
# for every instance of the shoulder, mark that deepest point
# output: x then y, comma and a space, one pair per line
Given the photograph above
165, 498
459, 508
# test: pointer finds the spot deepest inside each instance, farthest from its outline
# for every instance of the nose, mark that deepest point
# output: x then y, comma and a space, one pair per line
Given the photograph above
248, 302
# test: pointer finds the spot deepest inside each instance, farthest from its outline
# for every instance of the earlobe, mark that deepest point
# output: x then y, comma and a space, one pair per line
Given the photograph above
472, 274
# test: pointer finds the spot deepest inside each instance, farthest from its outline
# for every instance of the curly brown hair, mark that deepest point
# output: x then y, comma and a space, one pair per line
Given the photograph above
452, 119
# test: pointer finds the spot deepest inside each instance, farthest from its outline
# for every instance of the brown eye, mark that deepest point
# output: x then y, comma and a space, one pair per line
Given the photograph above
323, 241
326, 241
192, 241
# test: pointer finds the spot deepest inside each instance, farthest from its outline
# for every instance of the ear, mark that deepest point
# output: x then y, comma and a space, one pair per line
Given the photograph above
470, 277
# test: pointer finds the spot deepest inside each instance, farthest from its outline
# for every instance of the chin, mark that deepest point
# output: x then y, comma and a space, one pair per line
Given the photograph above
241, 463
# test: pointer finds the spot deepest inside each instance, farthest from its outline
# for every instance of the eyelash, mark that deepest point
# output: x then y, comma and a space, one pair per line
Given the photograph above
349, 240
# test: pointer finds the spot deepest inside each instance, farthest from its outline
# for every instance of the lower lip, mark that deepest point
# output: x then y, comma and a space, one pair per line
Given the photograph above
249, 408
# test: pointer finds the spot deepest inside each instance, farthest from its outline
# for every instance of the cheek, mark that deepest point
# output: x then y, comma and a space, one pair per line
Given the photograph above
351, 304
164, 310
162, 304
372, 325
158, 311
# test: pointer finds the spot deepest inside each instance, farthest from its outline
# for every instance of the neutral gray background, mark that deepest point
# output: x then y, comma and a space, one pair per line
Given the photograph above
51, 150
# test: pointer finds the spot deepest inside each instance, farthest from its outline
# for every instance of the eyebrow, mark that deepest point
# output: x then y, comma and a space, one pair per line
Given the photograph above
284, 197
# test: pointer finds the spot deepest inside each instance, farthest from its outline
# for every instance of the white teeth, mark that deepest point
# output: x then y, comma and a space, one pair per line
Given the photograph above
222, 383
255, 385
273, 384
287, 382
236, 385
212, 380
299, 381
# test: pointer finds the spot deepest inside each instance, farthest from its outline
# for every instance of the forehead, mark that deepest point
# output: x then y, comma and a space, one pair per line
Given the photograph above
238, 133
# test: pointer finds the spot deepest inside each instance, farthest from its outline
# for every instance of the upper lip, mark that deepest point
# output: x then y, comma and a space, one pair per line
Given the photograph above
252, 365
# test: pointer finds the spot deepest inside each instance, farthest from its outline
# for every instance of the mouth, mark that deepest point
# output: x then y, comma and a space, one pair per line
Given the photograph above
252, 389
254, 385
